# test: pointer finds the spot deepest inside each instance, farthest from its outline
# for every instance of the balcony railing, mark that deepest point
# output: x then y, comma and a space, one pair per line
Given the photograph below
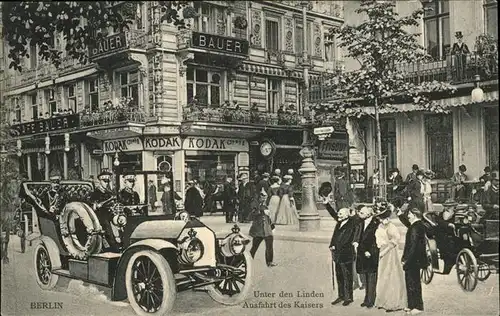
110, 117
239, 116
455, 69
331, 8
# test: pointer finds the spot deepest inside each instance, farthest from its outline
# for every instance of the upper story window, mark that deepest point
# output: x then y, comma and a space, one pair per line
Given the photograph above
437, 28
299, 38
210, 19
491, 18
273, 95
70, 93
33, 101
16, 107
272, 34
204, 86
129, 86
50, 98
92, 94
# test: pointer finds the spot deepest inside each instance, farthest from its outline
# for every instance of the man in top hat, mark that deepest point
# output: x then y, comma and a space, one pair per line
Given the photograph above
460, 51
127, 195
52, 199
262, 229
246, 197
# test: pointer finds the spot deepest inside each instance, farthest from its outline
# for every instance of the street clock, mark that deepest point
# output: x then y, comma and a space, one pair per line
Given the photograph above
267, 149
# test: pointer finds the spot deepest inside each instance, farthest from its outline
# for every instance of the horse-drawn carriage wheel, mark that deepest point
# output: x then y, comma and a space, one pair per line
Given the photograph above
484, 272
467, 270
427, 274
44, 276
150, 283
237, 282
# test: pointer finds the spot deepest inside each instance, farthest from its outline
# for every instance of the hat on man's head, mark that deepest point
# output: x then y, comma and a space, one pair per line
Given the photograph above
55, 175
104, 174
265, 175
415, 167
459, 34
129, 177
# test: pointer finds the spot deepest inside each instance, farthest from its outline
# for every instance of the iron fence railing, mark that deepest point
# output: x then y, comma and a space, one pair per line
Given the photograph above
239, 116
113, 116
455, 69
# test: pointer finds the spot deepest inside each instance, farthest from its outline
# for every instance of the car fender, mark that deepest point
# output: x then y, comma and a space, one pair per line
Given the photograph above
119, 290
53, 250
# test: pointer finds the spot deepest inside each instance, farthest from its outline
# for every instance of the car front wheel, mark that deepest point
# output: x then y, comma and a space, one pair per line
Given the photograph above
237, 275
150, 283
44, 276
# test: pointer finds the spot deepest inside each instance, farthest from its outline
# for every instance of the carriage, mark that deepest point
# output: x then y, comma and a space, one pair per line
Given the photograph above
159, 256
465, 242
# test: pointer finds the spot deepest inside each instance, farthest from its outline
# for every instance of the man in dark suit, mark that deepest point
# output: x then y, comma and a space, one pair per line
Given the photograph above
343, 254
262, 229
413, 175
246, 197
367, 254
413, 192
263, 183
229, 198
414, 259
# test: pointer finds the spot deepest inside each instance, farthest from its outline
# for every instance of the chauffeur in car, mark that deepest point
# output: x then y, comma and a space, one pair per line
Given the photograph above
127, 195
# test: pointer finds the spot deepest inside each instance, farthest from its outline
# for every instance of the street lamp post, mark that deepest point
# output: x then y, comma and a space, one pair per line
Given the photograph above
309, 219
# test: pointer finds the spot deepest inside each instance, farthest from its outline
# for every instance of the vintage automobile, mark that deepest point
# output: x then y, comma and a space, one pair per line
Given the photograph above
159, 256
463, 241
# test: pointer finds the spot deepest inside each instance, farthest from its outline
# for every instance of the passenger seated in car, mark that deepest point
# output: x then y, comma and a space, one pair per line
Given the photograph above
101, 194
127, 195
52, 199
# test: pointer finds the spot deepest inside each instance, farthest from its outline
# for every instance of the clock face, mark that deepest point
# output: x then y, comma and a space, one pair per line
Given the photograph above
266, 149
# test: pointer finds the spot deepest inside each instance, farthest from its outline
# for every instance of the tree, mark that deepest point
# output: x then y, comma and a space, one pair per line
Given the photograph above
35, 23
381, 44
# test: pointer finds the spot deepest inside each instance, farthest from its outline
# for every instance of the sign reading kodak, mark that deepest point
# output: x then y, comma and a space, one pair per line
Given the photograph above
215, 143
165, 143
220, 43
125, 144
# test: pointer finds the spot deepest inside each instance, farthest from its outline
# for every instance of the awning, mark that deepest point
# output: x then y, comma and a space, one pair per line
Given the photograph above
274, 71
489, 97
116, 133
76, 75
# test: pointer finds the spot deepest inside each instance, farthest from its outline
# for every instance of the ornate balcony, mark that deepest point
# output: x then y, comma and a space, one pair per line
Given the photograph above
235, 116
112, 117
331, 8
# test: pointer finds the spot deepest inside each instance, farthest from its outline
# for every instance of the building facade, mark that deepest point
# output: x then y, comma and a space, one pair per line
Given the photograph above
201, 100
468, 134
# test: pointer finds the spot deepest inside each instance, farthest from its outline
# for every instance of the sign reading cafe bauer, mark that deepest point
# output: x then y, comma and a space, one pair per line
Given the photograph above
220, 43
109, 44
47, 125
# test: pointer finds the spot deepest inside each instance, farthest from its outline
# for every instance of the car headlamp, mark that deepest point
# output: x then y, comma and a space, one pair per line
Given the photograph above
119, 220
465, 220
191, 249
234, 243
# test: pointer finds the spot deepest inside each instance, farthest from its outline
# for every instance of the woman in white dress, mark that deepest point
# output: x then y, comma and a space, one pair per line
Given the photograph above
426, 190
274, 200
391, 289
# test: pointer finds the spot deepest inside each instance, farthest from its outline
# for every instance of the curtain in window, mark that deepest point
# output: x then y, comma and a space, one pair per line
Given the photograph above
439, 131
272, 34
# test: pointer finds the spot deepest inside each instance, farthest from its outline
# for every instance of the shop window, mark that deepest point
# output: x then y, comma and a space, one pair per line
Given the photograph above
129, 86
50, 98
272, 35
491, 130
273, 95
93, 94
491, 18
163, 163
439, 132
34, 106
437, 28
71, 97
210, 167
204, 87
388, 131
130, 162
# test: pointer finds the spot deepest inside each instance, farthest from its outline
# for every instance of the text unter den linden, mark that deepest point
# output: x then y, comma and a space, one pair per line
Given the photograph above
284, 300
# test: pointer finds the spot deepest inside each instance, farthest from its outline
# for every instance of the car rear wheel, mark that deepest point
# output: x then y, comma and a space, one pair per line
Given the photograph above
150, 283
427, 274
467, 270
237, 282
43, 265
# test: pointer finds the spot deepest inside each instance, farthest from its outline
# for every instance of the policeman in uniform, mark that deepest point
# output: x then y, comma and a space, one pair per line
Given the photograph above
52, 199
127, 195
101, 194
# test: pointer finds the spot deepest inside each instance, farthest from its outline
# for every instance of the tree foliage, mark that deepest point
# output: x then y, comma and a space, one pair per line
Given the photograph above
35, 23
382, 45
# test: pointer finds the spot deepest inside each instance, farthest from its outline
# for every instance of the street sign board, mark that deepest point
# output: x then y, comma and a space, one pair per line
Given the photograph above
323, 130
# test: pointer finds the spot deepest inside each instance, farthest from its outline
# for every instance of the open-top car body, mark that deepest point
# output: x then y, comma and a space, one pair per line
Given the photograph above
159, 254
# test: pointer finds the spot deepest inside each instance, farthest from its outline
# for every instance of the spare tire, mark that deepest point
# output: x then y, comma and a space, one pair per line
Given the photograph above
67, 222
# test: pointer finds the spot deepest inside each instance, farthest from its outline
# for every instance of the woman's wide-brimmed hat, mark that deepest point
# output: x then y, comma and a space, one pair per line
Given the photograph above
287, 177
429, 174
383, 209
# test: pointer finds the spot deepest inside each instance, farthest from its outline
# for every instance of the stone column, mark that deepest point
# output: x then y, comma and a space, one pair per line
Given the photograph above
47, 166
28, 166
65, 165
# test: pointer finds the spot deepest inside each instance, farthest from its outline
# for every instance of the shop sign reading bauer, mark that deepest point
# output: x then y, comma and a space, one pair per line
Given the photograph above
215, 143
125, 144
220, 43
